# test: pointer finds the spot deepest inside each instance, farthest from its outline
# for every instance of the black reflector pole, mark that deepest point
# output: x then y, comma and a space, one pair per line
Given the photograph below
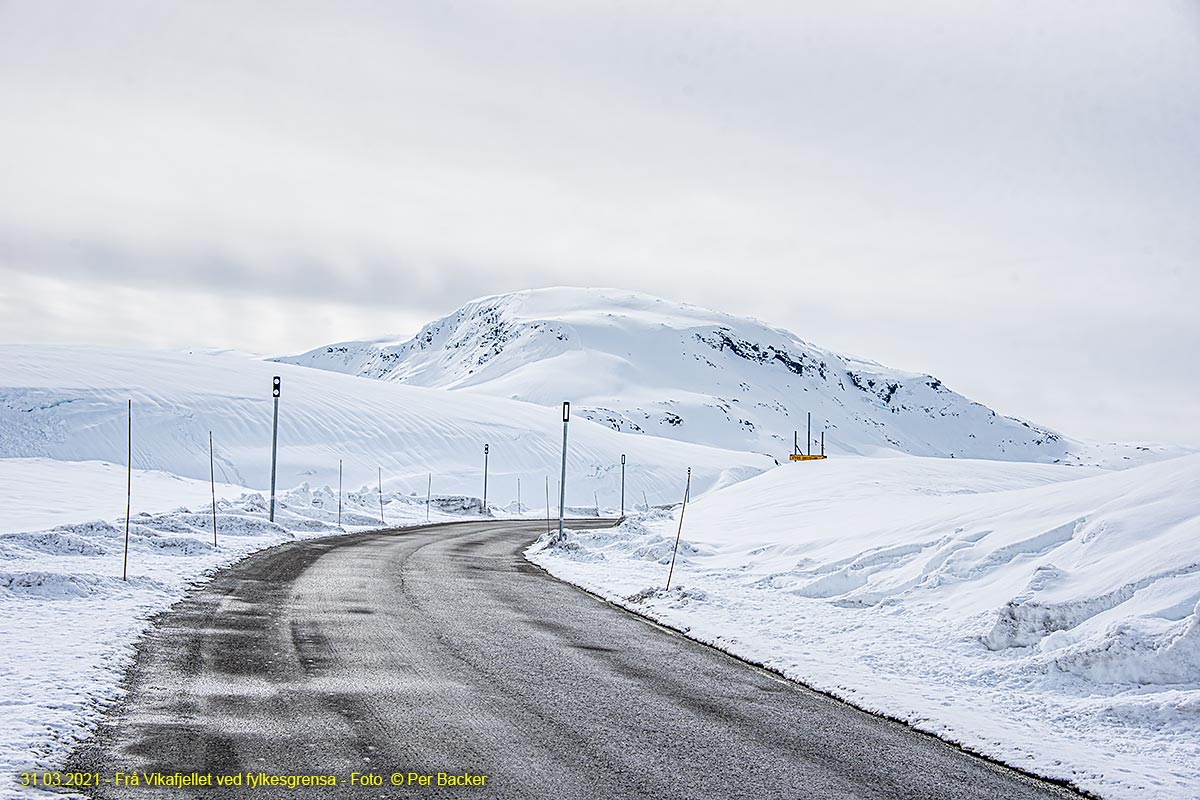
562, 486
212, 482
622, 486
275, 387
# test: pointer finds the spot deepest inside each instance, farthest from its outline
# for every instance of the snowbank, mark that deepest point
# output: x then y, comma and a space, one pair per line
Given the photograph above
1048, 616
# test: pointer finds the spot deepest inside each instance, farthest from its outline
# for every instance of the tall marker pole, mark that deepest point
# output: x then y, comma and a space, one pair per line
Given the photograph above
275, 386
622, 486
518, 495
381, 522
128, 491
339, 493
485, 460
562, 487
687, 491
212, 482
428, 489
822, 442
810, 433
547, 504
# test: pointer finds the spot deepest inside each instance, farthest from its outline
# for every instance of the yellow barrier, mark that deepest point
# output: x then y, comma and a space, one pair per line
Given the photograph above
796, 457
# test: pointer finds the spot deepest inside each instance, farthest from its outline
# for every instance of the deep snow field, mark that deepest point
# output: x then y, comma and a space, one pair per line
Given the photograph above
1044, 615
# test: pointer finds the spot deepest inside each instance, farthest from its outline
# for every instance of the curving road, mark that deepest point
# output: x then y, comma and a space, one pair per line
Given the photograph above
441, 649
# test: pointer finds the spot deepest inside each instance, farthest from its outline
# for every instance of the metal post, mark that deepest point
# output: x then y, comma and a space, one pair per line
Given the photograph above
596, 497
339, 493
128, 490
622, 486
428, 489
822, 442
275, 387
562, 486
547, 504
795, 443
485, 460
518, 495
381, 522
212, 482
810, 433
687, 491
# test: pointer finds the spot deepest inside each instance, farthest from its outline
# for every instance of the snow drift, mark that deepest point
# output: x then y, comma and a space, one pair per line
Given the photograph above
1045, 615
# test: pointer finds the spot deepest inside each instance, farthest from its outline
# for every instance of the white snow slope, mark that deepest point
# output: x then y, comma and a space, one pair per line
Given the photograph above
1045, 615
69, 404
645, 365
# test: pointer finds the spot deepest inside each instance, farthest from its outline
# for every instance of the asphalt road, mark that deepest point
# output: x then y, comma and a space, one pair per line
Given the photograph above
441, 650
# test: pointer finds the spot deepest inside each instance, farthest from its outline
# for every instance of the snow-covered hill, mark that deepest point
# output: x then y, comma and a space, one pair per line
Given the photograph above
641, 364
69, 404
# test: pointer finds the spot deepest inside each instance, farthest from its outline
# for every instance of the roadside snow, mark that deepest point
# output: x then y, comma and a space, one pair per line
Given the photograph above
68, 620
42, 492
1046, 616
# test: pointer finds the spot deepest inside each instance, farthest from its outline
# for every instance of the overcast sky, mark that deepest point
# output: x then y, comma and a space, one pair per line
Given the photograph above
1004, 194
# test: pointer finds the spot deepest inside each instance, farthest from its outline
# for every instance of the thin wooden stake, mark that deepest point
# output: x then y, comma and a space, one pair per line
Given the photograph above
381, 522
128, 491
212, 482
339, 493
547, 504
428, 490
687, 491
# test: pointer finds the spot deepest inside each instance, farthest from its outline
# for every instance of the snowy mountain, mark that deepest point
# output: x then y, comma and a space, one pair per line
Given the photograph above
641, 364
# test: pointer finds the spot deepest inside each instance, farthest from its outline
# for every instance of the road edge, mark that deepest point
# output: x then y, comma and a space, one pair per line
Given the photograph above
1060, 783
